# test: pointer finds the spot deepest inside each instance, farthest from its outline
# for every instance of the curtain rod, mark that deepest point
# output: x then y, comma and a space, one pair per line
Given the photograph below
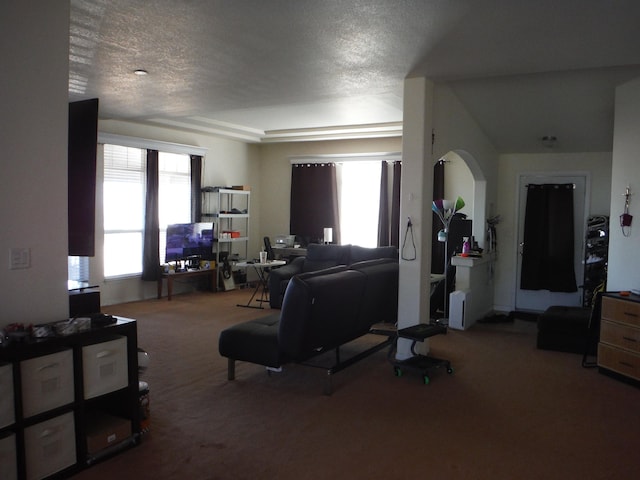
349, 157
143, 143
551, 185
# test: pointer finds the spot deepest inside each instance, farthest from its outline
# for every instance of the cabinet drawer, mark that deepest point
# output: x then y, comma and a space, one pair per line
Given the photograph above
105, 367
8, 462
618, 360
622, 336
50, 446
621, 311
47, 382
7, 410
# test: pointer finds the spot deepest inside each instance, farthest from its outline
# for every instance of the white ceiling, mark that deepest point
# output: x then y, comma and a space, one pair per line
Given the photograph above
273, 70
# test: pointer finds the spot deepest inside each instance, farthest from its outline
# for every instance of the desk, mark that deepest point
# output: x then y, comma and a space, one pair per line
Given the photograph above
262, 285
181, 275
288, 253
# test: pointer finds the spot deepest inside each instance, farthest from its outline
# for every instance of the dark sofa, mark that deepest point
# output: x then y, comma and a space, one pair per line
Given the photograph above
320, 257
321, 311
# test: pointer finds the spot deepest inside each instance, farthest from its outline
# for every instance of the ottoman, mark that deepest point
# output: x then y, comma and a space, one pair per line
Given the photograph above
565, 329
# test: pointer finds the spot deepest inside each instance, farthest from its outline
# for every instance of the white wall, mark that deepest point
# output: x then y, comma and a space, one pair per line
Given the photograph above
226, 163
624, 260
34, 38
275, 174
457, 131
598, 165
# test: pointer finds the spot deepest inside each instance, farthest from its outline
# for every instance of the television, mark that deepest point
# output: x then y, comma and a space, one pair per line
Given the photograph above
188, 240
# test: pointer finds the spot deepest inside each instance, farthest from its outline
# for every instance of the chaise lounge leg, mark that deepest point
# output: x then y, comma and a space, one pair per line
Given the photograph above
328, 386
231, 369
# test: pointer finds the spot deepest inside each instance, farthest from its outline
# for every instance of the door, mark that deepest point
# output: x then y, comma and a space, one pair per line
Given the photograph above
540, 300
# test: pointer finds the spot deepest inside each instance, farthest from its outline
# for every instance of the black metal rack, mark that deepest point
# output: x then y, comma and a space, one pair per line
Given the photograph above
595, 257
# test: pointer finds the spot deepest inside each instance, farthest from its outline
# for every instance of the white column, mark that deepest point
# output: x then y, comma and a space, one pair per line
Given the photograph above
415, 203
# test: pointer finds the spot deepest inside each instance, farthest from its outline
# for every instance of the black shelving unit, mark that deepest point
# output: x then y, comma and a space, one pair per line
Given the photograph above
73, 378
595, 257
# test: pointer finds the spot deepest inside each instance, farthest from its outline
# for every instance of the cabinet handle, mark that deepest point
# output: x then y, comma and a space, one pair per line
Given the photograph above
626, 364
629, 339
104, 353
51, 365
630, 314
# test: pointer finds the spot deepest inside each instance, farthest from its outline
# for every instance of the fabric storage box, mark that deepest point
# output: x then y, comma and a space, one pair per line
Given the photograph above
7, 410
50, 446
104, 367
8, 462
105, 430
47, 382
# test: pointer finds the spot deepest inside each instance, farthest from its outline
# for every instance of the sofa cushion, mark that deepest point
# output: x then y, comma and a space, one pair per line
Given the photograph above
309, 318
324, 256
359, 254
381, 297
255, 341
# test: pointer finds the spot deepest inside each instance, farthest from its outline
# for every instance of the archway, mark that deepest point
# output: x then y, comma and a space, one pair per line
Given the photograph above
464, 177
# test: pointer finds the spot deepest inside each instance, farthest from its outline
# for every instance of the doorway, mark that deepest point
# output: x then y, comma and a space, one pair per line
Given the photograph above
540, 300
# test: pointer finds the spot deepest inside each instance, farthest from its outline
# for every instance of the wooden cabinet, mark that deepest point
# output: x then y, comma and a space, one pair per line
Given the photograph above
68, 401
619, 347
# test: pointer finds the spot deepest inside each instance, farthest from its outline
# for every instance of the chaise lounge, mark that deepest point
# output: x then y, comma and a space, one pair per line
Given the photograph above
321, 311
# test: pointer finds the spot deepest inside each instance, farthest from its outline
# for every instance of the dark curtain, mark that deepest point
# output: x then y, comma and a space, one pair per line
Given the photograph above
151, 243
383, 213
389, 215
196, 185
314, 201
548, 251
395, 205
437, 248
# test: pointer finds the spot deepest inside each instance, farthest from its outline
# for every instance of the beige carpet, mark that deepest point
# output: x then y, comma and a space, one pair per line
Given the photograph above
509, 411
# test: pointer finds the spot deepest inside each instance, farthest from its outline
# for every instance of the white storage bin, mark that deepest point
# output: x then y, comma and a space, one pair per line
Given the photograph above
104, 367
47, 382
7, 410
50, 446
8, 462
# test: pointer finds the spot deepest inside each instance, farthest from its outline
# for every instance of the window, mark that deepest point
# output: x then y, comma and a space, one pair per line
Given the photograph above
359, 203
174, 193
77, 270
124, 204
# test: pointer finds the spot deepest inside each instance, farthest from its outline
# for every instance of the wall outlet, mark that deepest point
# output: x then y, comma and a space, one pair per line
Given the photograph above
19, 258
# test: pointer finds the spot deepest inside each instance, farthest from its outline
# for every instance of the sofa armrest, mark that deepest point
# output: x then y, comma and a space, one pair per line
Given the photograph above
279, 278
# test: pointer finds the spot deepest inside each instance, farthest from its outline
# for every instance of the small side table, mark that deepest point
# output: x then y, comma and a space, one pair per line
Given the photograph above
423, 364
262, 270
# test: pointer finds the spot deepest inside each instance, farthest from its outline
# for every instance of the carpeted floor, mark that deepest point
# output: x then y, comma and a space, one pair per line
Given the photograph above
509, 411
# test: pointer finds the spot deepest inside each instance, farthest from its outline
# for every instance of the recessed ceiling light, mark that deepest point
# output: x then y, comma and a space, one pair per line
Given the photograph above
141, 72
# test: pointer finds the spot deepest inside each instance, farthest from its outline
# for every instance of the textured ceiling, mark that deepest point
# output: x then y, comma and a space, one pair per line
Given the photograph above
262, 70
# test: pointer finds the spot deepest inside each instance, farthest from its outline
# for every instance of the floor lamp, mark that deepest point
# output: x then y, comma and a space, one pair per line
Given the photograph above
446, 209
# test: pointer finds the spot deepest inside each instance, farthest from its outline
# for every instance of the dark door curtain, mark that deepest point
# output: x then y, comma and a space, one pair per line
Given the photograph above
548, 251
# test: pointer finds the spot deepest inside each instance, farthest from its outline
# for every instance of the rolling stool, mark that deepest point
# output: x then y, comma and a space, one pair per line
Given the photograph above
418, 362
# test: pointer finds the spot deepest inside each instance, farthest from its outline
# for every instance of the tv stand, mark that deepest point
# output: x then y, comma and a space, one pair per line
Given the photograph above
170, 277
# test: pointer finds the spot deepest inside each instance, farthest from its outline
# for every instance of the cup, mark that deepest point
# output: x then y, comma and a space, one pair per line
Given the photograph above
263, 257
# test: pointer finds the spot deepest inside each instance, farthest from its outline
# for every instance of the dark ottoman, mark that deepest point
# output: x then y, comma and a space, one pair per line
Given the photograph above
564, 329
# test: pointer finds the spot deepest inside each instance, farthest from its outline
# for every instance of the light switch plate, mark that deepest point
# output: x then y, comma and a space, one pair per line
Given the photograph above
19, 258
